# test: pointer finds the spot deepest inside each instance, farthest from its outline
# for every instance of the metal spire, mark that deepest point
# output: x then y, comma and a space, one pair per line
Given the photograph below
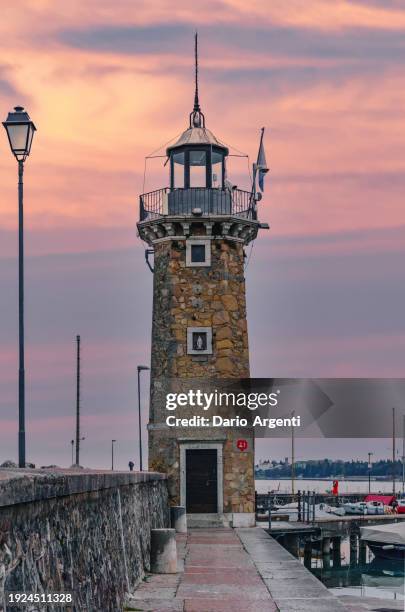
196, 101
197, 118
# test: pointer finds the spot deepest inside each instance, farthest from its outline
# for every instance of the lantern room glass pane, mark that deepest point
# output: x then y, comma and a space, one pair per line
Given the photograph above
217, 159
178, 170
198, 174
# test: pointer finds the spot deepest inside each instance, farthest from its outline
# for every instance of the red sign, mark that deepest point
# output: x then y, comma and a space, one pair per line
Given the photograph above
335, 487
242, 445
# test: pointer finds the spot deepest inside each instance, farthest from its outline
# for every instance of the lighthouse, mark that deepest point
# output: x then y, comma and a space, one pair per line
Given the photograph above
197, 228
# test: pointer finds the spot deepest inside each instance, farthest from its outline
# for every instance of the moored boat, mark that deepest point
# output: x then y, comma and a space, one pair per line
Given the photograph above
385, 541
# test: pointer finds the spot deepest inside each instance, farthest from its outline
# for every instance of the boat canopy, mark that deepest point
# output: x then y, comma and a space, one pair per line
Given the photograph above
393, 533
387, 500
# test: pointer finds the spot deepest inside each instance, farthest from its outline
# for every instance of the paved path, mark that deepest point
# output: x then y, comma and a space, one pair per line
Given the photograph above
241, 570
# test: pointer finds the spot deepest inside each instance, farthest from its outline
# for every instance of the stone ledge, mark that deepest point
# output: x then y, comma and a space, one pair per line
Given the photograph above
18, 486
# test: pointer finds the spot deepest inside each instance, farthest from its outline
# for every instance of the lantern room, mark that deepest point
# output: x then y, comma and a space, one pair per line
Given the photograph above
197, 160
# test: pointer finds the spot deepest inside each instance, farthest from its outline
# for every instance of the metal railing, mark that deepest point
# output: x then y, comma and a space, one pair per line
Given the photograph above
184, 202
281, 499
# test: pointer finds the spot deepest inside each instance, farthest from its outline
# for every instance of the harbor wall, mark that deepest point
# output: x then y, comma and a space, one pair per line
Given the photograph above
81, 531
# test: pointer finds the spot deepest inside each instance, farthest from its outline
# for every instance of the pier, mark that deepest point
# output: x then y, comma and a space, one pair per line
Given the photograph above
105, 520
233, 569
326, 534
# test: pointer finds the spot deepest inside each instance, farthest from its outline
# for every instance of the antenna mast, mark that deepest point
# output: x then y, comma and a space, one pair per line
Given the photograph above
197, 118
196, 100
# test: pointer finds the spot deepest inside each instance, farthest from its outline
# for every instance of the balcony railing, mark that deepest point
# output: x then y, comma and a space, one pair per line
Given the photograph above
186, 202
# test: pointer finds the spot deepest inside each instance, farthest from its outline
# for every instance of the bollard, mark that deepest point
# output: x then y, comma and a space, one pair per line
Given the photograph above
163, 551
178, 519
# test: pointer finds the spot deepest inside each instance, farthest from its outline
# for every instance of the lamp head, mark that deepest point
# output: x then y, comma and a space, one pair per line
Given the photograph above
20, 131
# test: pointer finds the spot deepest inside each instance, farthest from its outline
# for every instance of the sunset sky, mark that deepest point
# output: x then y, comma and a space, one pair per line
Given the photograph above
107, 83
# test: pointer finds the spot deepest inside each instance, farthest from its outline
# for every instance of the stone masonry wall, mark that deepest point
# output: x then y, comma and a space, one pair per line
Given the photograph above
88, 532
200, 297
197, 296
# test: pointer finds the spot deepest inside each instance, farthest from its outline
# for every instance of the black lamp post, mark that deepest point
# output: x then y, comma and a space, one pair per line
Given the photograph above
140, 368
20, 131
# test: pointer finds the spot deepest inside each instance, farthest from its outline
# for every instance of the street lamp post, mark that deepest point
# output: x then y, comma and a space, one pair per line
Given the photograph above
72, 442
403, 454
292, 458
140, 368
20, 131
112, 454
369, 471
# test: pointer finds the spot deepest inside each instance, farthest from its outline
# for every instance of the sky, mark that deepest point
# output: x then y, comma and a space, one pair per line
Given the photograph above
107, 83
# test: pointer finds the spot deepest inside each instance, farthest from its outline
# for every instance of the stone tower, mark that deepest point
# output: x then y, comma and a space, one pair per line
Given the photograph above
198, 228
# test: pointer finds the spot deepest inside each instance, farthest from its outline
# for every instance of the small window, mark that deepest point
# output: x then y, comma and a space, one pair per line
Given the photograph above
198, 253
199, 340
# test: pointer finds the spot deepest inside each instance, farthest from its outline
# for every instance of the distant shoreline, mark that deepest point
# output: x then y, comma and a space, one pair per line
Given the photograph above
329, 478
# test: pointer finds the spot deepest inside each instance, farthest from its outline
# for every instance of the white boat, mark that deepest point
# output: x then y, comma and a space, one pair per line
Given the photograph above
355, 508
339, 511
374, 507
369, 507
385, 541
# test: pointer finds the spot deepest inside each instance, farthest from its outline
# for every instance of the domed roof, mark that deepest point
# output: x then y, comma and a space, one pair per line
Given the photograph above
197, 136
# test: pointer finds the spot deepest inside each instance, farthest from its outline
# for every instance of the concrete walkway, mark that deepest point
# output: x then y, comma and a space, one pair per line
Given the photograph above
237, 570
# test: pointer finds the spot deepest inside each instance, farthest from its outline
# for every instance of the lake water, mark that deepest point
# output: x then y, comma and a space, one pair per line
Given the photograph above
373, 578
321, 486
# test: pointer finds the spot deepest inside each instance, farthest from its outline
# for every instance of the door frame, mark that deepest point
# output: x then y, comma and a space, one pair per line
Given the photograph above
184, 446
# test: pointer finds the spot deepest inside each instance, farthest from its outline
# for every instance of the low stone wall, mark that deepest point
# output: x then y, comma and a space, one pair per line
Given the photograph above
82, 531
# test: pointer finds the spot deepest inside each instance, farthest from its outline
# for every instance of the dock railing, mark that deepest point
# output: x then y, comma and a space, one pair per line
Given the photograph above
266, 503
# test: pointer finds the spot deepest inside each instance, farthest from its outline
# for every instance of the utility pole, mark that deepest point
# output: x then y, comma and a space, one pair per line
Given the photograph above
369, 471
292, 457
140, 368
78, 401
112, 454
403, 454
393, 451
